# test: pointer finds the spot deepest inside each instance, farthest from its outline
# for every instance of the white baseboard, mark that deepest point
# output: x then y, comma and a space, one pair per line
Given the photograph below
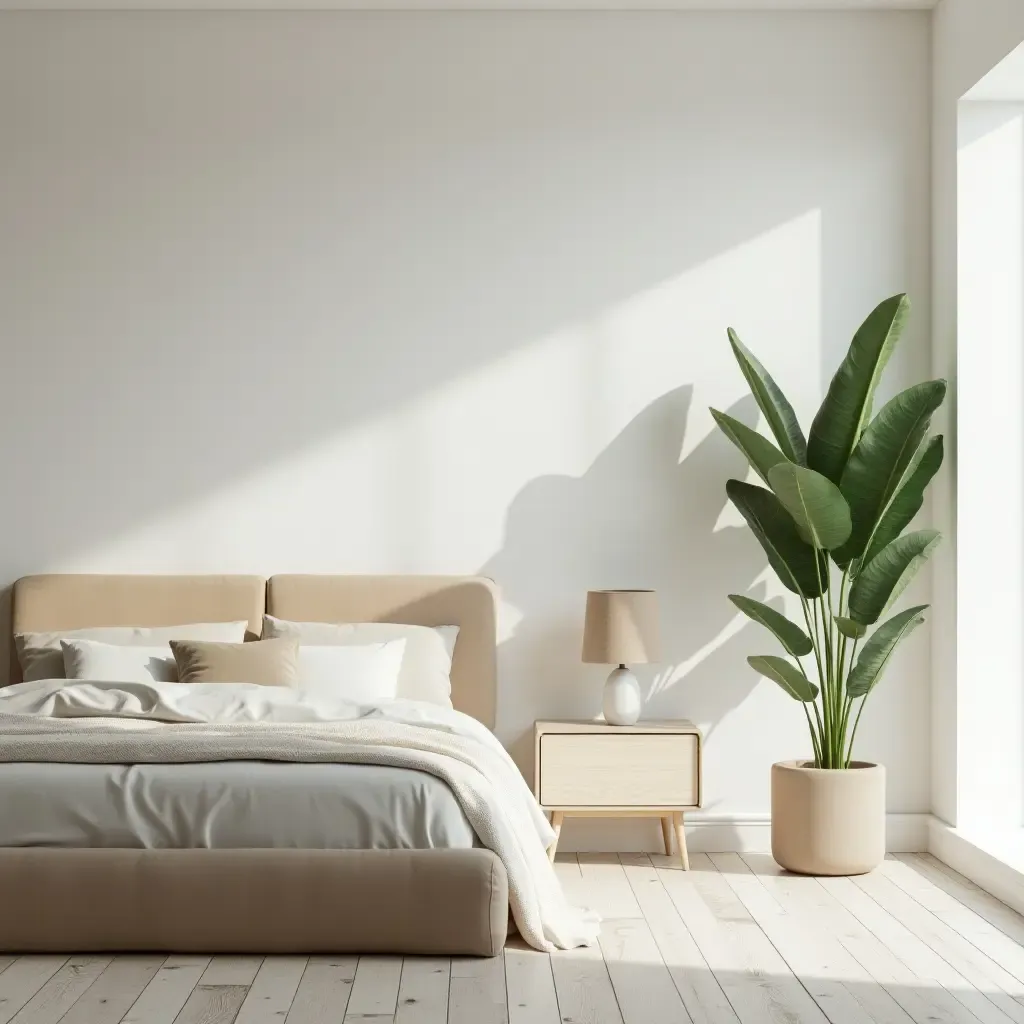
714, 833
986, 863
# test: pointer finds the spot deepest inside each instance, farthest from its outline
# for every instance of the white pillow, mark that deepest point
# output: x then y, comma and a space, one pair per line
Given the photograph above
89, 659
41, 657
365, 674
426, 664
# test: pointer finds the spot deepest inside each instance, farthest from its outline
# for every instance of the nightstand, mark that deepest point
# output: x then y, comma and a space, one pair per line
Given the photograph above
586, 769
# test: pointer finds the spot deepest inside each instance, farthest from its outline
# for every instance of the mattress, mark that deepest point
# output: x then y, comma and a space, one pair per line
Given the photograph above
228, 805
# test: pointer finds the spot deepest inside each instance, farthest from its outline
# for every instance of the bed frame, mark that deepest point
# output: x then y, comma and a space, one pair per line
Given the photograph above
441, 902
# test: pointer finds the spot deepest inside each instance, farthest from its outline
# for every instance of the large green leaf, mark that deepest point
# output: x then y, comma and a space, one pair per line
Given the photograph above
887, 575
772, 402
760, 452
907, 501
849, 628
797, 564
880, 461
847, 406
789, 634
791, 679
817, 506
879, 649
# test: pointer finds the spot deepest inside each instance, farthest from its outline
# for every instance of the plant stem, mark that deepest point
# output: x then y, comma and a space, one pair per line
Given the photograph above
849, 699
842, 689
828, 699
842, 672
822, 682
813, 633
846, 714
824, 731
815, 741
860, 711
814, 738
832, 650
837, 640
821, 751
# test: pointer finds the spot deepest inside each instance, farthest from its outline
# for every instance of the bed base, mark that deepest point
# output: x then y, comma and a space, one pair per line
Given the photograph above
439, 902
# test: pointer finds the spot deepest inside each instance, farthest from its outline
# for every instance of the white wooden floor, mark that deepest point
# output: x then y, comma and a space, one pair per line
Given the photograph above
734, 940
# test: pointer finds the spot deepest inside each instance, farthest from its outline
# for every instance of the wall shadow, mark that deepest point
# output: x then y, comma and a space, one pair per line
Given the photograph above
638, 517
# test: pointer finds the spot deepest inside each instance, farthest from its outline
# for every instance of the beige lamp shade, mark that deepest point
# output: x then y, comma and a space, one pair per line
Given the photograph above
621, 627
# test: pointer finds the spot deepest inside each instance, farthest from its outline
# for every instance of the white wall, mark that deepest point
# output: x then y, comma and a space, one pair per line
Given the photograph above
976, 626
348, 292
990, 324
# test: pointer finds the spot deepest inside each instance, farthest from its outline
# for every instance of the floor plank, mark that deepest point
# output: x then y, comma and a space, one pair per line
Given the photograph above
755, 977
423, 993
5, 962
968, 893
231, 970
837, 983
567, 870
375, 989
912, 950
697, 986
730, 966
605, 886
212, 1004
114, 992
641, 981
272, 991
324, 990
923, 999
530, 985
23, 979
476, 994
1001, 987
59, 994
583, 988
162, 999
993, 942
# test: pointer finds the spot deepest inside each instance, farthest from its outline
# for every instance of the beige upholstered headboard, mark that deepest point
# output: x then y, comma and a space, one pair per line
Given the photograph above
51, 602
469, 602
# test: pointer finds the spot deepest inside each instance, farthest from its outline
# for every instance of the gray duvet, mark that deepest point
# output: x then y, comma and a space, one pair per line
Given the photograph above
228, 804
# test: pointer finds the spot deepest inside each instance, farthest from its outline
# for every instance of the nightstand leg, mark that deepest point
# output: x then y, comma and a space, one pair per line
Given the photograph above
557, 817
666, 831
677, 820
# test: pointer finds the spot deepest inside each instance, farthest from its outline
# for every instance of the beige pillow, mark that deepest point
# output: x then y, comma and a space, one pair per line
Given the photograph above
267, 662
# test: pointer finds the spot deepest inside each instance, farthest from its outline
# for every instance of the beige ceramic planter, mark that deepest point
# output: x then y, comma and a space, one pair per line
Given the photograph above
828, 822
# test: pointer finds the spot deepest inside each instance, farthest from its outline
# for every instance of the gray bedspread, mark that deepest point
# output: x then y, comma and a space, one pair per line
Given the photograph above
228, 804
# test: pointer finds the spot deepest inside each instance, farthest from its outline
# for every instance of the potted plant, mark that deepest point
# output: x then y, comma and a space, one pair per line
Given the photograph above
831, 521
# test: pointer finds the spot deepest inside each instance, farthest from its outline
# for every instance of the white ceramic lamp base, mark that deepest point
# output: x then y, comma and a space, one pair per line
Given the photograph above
622, 701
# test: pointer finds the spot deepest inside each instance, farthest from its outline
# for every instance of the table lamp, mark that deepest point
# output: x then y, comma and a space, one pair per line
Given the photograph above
621, 629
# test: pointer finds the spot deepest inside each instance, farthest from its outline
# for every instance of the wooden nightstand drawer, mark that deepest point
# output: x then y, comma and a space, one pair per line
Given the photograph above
630, 770
588, 769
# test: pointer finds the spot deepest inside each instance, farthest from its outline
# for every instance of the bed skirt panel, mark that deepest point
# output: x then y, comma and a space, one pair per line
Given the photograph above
440, 902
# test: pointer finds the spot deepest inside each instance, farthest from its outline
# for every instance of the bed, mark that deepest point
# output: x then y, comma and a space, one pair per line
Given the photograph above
239, 854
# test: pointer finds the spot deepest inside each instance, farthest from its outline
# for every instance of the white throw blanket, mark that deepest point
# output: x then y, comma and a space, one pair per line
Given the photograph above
119, 723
